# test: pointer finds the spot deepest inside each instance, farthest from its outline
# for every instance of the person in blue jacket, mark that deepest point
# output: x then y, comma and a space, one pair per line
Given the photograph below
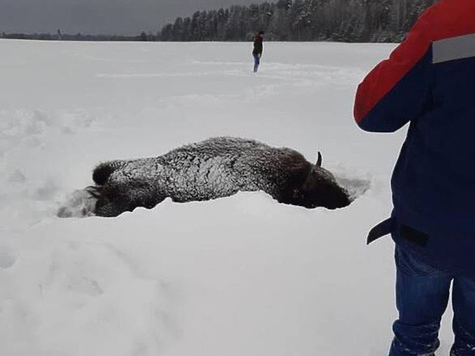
429, 82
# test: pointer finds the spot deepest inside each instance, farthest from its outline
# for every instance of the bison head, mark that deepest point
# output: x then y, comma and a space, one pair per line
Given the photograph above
320, 188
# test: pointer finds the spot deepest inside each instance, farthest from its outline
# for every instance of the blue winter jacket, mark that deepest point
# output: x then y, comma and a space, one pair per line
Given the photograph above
429, 81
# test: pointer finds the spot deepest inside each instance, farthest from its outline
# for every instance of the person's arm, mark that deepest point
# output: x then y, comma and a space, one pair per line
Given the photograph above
397, 89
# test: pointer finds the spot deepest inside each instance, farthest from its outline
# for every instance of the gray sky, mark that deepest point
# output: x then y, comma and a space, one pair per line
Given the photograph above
99, 16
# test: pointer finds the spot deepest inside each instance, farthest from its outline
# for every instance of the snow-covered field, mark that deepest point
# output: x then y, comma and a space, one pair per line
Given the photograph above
241, 276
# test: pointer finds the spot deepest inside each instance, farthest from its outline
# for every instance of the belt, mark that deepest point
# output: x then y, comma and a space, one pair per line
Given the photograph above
405, 232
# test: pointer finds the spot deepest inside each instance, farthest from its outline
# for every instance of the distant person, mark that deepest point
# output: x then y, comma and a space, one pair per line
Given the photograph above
429, 81
258, 47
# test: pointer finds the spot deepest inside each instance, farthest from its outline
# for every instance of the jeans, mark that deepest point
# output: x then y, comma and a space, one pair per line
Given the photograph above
422, 295
257, 61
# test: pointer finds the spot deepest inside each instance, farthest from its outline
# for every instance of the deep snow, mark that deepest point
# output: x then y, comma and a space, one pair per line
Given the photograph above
235, 276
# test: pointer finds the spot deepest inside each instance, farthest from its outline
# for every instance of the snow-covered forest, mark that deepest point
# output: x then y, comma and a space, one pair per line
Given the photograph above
302, 20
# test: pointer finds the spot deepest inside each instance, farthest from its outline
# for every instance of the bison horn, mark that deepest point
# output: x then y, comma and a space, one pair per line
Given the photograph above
319, 160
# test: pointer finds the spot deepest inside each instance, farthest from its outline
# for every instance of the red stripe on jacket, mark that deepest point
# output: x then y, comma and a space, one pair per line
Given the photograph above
445, 19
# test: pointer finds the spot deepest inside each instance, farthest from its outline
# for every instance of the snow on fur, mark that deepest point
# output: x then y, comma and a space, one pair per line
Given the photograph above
215, 168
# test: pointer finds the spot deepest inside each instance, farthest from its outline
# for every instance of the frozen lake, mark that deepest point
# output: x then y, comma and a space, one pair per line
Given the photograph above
240, 276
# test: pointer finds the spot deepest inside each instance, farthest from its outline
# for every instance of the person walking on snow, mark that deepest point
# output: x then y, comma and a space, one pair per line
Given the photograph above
257, 51
429, 81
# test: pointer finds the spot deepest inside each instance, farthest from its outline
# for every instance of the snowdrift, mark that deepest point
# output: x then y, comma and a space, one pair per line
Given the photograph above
237, 276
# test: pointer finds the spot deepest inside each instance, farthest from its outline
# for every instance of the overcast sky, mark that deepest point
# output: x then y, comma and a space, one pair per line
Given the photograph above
99, 16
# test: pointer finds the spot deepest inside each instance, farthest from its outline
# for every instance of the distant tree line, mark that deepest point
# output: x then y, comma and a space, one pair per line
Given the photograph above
302, 20
77, 37
284, 20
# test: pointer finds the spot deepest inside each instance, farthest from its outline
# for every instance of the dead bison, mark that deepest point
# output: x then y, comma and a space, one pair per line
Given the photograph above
215, 168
